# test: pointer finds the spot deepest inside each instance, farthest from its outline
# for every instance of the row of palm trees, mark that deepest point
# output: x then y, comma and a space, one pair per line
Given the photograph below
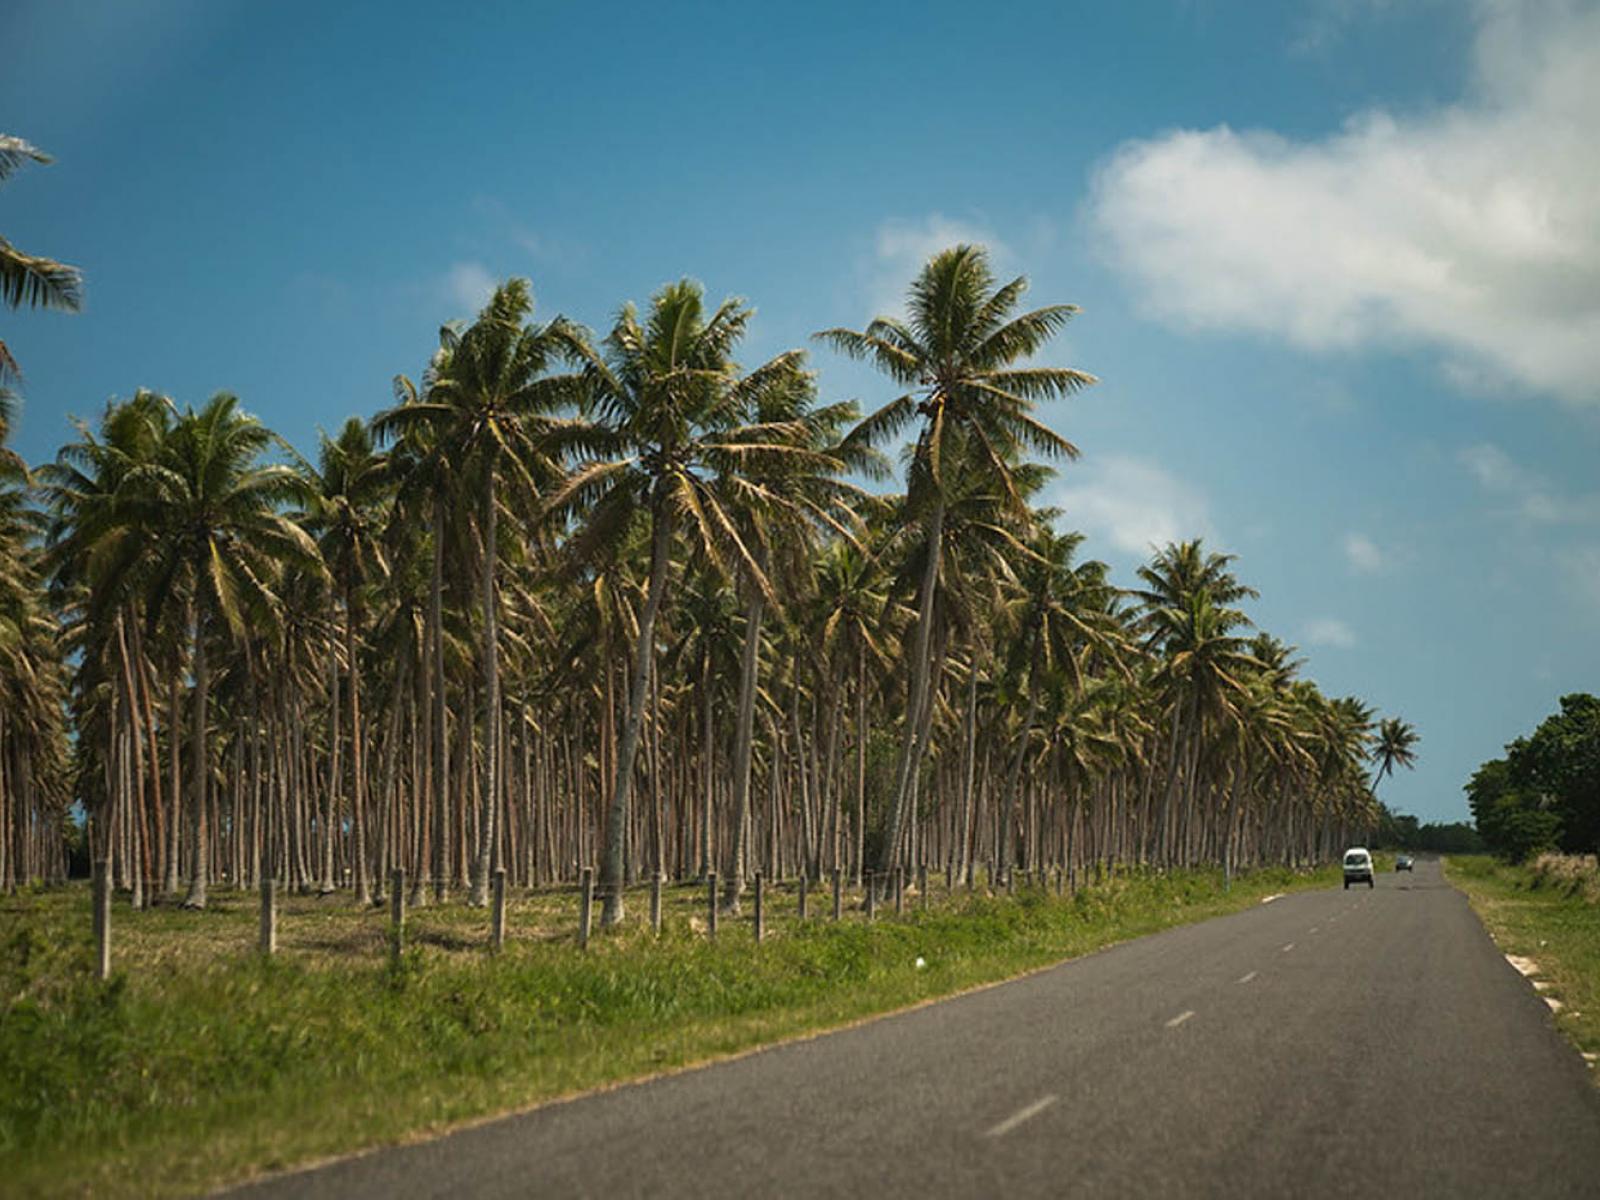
621, 602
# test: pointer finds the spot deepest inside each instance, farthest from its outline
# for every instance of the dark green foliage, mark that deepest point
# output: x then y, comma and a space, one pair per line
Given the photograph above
1402, 831
1545, 793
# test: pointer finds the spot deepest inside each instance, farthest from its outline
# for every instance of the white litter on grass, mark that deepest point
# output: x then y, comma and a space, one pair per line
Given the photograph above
1525, 965
1271, 898
922, 963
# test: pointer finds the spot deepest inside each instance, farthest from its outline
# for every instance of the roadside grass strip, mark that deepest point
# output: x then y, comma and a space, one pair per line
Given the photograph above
1546, 921
200, 1063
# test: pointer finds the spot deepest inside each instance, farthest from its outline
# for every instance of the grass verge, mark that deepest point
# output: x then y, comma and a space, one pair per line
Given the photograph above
1533, 915
201, 1063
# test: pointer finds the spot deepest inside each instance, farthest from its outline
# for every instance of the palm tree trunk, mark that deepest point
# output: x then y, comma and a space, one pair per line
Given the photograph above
708, 774
488, 826
330, 799
441, 742
743, 742
202, 828
912, 747
358, 815
644, 653
859, 863
963, 864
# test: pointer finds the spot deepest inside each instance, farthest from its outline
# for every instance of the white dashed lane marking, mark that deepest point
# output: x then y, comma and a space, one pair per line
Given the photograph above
1288, 948
1247, 978
1027, 1114
1180, 1019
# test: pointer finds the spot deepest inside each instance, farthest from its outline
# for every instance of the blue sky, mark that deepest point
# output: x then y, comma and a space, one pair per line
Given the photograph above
1339, 262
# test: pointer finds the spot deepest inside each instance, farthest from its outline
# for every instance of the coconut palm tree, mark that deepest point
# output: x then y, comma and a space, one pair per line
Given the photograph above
671, 430
488, 407
1395, 747
28, 279
219, 538
957, 355
348, 507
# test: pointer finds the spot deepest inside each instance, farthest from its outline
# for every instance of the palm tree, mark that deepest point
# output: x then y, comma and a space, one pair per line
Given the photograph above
219, 541
1395, 747
957, 355
349, 504
27, 278
671, 431
486, 412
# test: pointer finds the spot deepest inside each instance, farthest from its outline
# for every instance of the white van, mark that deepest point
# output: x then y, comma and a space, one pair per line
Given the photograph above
1357, 866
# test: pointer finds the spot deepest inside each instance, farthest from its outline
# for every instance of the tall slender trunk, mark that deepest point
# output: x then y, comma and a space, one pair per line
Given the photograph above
330, 798
202, 827
488, 826
912, 747
743, 743
643, 655
708, 774
441, 754
859, 864
170, 884
963, 863
358, 783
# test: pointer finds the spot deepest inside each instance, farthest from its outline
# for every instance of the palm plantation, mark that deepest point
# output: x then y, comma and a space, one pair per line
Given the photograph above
622, 603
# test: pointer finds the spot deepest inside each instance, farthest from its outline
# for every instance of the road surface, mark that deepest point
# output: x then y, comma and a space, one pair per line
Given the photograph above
1332, 1043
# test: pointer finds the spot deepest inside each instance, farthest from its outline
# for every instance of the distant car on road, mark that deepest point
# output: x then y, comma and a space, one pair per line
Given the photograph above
1358, 866
1402, 862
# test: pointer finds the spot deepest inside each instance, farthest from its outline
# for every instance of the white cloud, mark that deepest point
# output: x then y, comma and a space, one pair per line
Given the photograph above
468, 286
1329, 631
1473, 229
1363, 554
1131, 502
902, 248
1529, 493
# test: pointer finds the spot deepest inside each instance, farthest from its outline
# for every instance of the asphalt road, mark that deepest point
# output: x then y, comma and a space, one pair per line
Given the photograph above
1335, 1043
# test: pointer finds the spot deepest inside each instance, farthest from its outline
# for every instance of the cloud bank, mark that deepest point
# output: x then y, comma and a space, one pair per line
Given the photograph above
1131, 502
1473, 230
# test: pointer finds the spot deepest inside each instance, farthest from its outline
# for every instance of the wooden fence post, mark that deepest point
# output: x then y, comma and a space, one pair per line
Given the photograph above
269, 914
899, 891
655, 903
872, 894
397, 914
102, 918
585, 906
838, 893
760, 913
497, 922
922, 886
803, 884
711, 904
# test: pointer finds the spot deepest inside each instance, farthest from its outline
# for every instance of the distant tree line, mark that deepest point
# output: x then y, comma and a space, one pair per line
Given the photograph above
1402, 831
1545, 793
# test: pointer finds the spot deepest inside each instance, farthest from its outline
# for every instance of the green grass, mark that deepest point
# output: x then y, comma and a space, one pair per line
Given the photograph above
1557, 927
200, 1063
